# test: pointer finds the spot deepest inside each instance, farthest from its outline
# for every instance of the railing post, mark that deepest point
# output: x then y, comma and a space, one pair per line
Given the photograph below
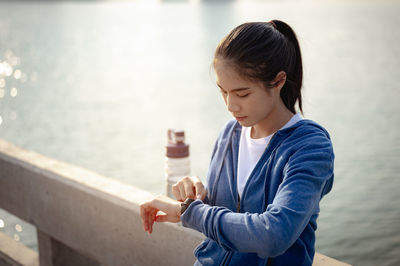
54, 253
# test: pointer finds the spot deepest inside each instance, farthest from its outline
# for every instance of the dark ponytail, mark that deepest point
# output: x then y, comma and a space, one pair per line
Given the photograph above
260, 50
291, 91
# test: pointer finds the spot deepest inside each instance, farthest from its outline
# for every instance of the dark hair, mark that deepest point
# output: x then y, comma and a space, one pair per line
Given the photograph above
260, 50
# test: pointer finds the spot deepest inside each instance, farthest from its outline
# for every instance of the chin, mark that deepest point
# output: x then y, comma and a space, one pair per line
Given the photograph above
245, 123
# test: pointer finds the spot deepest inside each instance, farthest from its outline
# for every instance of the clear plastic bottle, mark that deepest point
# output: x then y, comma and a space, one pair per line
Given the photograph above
177, 162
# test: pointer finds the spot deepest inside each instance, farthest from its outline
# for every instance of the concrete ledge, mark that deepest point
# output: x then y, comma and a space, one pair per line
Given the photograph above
15, 254
91, 214
322, 260
94, 215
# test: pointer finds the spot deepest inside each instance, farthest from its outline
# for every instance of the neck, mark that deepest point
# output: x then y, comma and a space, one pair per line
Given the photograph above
272, 123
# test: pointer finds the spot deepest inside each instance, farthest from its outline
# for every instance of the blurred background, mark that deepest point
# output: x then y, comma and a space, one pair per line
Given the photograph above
98, 83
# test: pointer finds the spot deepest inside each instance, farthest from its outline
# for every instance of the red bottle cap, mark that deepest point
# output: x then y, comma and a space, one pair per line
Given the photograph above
176, 147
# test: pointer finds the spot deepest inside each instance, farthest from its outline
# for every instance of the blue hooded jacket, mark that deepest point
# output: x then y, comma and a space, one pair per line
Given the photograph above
274, 221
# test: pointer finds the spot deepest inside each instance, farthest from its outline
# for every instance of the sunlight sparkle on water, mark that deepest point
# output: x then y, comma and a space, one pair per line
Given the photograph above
18, 228
16, 237
2, 83
17, 74
6, 69
14, 60
2, 93
13, 92
1, 220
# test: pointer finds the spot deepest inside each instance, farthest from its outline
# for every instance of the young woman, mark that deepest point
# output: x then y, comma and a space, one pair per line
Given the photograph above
270, 167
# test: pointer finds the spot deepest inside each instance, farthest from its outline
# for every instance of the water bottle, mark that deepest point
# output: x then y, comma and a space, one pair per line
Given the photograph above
177, 162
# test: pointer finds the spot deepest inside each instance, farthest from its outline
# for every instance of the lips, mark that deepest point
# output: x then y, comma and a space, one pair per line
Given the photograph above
240, 118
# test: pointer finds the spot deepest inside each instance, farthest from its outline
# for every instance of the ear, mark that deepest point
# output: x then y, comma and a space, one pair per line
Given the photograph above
279, 80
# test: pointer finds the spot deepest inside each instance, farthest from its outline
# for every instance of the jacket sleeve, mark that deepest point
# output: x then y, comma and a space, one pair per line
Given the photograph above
307, 175
216, 144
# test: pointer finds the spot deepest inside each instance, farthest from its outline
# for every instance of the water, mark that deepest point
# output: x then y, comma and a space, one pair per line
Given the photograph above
100, 83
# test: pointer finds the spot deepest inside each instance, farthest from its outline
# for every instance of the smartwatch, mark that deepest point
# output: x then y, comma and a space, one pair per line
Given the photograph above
185, 205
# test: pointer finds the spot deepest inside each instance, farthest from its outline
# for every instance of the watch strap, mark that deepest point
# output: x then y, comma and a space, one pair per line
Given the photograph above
185, 204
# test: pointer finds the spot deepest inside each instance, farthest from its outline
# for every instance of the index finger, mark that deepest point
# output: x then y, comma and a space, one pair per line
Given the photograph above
143, 215
199, 188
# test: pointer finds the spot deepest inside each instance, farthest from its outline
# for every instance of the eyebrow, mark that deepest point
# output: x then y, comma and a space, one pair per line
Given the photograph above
235, 90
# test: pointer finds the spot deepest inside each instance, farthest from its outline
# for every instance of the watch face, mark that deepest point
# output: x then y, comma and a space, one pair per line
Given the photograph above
185, 205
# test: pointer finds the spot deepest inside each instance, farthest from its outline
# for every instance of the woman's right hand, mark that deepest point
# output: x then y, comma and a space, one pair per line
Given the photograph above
189, 187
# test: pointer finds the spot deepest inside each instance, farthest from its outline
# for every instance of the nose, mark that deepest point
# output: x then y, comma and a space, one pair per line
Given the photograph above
231, 104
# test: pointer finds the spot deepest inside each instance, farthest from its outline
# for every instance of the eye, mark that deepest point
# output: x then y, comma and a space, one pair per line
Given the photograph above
243, 95
223, 92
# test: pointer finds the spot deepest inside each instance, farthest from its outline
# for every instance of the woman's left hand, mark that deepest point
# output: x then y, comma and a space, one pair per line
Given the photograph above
170, 208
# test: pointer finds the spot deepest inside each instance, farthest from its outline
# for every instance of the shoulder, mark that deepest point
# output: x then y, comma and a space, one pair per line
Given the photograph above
308, 130
307, 135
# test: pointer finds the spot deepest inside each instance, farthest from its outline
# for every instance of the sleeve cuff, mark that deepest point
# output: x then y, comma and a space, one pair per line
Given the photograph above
187, 216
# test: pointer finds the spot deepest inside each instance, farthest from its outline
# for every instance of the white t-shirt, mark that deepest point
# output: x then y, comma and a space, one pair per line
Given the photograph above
250, 151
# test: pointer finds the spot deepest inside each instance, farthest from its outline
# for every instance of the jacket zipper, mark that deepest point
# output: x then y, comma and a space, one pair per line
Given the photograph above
238, 205
238, 210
